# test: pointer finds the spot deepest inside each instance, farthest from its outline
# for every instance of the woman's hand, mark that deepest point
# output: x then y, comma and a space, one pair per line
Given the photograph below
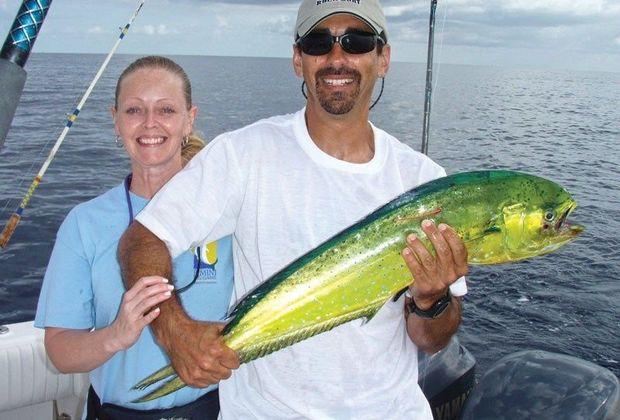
138, 309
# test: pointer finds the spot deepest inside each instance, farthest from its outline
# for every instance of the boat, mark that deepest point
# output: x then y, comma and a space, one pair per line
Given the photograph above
526, 385
30, 386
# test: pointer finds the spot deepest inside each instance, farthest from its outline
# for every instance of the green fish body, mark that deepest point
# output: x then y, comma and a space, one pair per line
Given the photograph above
502, 216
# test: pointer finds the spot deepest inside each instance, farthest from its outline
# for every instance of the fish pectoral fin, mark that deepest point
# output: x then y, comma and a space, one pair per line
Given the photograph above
486, 246
488, 232
420, 217
492, 229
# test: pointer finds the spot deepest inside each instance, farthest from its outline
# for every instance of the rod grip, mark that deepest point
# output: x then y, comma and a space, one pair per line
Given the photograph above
23, 33
9, 229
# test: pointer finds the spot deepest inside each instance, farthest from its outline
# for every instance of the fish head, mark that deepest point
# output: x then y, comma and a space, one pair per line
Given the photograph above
527, 216
537, 223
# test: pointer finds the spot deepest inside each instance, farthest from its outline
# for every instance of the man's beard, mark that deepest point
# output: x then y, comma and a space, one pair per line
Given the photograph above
337, 103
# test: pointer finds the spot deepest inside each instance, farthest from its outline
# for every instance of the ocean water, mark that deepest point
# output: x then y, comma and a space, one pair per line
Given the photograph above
561, 125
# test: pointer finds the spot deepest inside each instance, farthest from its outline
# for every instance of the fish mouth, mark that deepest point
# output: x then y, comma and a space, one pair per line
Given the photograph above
564, 227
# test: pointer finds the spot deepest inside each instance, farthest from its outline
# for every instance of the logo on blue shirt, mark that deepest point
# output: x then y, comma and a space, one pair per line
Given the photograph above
205, 259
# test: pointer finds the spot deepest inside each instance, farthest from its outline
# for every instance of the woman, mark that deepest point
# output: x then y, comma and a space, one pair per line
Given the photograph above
90, 323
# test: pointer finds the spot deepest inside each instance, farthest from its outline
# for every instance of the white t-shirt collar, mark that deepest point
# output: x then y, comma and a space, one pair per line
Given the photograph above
324, 159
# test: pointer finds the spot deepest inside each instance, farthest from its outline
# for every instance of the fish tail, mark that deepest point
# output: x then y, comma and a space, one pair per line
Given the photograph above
162, 373
169, 387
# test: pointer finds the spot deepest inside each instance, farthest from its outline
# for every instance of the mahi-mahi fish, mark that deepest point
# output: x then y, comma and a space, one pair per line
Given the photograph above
502, 216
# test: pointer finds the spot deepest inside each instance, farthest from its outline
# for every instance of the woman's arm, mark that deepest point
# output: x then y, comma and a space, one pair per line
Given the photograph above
72, 350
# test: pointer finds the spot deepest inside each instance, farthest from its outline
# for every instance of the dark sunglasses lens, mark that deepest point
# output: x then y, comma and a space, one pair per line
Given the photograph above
358, 43
316, 43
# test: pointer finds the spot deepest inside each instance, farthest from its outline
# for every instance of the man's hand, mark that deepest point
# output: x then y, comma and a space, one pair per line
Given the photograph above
198, 353
434, 274
432, 277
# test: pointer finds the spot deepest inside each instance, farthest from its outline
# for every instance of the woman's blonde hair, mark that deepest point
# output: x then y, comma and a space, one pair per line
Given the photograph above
194, 143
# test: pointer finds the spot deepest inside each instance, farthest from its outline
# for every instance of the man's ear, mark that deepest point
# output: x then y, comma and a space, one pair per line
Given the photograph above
297, 65
384, 60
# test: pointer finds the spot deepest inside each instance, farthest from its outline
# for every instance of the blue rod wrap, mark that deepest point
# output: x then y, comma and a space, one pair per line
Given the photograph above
24, 31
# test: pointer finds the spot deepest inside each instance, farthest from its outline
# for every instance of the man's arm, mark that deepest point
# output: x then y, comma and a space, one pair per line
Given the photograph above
432, 335
433, 276
195, 348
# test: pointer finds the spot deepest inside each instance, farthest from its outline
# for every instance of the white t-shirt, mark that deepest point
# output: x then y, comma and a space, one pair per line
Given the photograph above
281, 196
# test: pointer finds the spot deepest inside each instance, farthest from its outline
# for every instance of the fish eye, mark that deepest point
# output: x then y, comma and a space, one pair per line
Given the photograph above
549, 216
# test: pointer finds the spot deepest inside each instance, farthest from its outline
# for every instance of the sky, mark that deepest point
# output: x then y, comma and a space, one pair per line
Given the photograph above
556, 34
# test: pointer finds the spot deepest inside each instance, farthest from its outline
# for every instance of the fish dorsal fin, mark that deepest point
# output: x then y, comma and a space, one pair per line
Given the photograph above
241, 308
415, 217
232, 312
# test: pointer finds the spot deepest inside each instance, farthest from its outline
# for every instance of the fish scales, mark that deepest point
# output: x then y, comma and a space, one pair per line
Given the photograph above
501, 216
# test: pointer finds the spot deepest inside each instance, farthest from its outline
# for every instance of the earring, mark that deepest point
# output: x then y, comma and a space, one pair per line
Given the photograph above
303, 92
185, 141
119, 141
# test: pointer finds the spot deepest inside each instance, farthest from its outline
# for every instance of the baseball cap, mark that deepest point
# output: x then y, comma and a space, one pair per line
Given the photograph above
312, 12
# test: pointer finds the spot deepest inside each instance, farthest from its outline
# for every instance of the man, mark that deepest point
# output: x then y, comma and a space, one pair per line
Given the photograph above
282, 186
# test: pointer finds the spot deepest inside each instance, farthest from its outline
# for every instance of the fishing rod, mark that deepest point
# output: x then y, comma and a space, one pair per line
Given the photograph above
13, 57
12, 223
429, 79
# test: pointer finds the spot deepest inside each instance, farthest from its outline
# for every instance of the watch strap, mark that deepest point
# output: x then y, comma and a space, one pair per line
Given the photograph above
436, 309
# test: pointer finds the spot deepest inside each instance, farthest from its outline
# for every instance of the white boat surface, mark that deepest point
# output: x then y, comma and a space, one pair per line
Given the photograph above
31, 388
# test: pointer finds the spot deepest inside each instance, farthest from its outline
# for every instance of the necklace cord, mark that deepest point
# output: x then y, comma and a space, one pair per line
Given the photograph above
127, 185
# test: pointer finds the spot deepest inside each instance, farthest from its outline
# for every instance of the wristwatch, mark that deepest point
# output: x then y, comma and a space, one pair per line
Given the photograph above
434, 311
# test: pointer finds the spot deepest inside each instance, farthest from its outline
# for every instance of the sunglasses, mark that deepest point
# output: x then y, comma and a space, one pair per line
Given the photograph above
353, 42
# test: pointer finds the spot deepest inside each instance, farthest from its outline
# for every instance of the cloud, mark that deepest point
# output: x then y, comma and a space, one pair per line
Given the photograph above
575, 25
95, 30
222, 22
160, 29
575, 7
508, 13
258, 2
467, 30
279, 24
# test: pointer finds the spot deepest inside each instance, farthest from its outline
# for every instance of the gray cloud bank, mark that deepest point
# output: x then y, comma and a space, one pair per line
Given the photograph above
578, 25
